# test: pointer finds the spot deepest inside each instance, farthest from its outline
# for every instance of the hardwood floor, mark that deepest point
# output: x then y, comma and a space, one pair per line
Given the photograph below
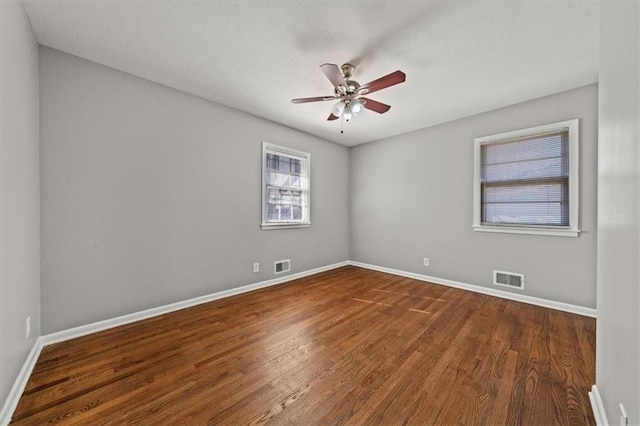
348, 346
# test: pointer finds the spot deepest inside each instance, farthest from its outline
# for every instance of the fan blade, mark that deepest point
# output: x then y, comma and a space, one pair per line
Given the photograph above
332, 117
333, 73
394, 78
316, 99
376, 106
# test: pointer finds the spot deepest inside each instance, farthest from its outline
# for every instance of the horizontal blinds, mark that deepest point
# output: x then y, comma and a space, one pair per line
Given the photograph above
525, 181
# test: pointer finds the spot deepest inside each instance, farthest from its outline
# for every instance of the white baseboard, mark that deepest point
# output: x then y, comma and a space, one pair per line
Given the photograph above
21, 381
597, 407
566, 307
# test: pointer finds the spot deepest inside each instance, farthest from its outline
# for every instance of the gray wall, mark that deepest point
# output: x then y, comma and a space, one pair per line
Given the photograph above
412, 197
19, 219
618, 332
152, 196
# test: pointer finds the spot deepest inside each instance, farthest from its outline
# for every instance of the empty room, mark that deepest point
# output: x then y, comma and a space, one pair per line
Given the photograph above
320, 212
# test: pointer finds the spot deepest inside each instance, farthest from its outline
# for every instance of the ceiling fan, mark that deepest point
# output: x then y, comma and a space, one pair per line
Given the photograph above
350, 94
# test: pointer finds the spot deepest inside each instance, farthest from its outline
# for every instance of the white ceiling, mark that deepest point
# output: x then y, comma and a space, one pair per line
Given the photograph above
461, 58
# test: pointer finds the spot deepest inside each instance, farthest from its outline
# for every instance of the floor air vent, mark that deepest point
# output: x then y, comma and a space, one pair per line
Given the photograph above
508, 279
280, 266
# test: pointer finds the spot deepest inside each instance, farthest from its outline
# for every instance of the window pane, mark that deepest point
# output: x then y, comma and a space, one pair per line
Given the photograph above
272, 212
296, 213
284, 165
295, 166
272, 178
271, 162
285, 212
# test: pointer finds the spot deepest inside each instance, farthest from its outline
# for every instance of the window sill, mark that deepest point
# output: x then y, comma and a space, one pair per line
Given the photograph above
526, 230
266, 226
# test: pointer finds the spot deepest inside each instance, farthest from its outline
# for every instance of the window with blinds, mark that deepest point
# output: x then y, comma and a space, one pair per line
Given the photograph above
285, 187
526, 179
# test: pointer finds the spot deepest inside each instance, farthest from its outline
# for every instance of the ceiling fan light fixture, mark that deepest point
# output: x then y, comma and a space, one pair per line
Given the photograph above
356, 107
338, 108
347, 114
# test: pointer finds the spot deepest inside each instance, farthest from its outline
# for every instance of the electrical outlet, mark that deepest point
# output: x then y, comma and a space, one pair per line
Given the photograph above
28, 327
256, 267
624, 420
425, 261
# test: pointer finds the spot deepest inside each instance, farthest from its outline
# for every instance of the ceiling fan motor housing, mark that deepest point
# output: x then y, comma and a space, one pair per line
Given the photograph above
352, 90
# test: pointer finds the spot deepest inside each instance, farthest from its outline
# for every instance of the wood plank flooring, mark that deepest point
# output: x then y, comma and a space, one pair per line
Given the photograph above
348, 346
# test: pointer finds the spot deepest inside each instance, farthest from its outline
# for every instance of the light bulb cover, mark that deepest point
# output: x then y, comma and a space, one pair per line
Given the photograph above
356, 107
337, 109
347, 114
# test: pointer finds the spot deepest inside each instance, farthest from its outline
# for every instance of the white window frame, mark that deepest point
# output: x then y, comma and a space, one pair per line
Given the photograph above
574, 168
305, 222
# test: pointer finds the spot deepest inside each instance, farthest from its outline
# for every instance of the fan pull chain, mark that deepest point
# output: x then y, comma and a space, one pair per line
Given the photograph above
341, 124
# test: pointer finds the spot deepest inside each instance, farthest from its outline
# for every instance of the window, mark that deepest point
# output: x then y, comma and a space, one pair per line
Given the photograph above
527, 181
285, 187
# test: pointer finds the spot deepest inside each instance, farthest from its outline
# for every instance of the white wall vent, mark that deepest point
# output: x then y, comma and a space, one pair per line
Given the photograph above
281, 266
508, 279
